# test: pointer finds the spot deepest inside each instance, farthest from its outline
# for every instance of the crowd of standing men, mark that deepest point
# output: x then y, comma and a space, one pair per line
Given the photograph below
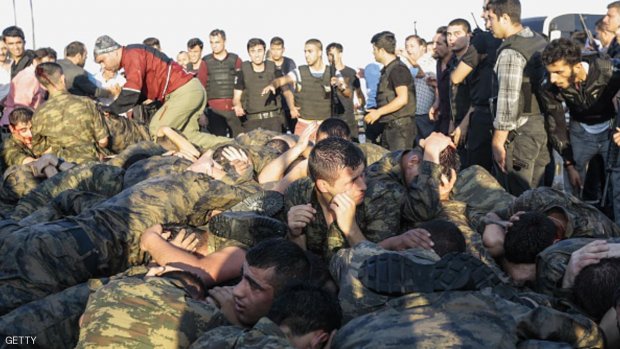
211, 202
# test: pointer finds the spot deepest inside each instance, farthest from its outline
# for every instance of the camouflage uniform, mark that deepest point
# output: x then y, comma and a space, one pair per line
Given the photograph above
70, 202
104, 240
552, 262
96, 178
71, 126
464, 320
260, 156
373, 152
482, 193
584, 220
391, 205
455, 212
17, 182
355, 299
14, 152
54, 320
264, 335
153, 167
124, 132
256, 137
149, 312
321, 240
136, 152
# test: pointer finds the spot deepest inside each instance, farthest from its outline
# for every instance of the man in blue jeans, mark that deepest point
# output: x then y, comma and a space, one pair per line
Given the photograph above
587, 87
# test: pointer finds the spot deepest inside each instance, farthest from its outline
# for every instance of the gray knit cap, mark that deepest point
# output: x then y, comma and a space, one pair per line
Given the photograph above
105, 44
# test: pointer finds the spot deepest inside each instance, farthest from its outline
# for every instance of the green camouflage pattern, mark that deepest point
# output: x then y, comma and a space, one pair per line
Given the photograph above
391, 205
355, 299
482, 193
373, 152
17, 182
54, 320
14, 152
456, 212
584, 220
257, 137
71, 126
95, 177
124, 132
264, 335
153, 167
70, 202
46, 258
552, 262
321, 240
149, 312
464, 320
136, 152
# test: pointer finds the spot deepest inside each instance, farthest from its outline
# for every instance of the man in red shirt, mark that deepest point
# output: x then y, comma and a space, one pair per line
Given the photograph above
152, 75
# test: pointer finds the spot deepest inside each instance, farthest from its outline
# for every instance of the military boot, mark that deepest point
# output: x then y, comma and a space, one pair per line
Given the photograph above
267, 203
394, 274
248, 228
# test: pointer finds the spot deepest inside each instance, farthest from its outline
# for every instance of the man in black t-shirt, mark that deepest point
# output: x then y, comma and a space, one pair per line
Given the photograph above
285, 65
347, 75
395, 96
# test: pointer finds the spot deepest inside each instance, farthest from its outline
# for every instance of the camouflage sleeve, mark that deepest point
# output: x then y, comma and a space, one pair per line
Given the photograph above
95, 123
224, 337
547, 324
422, 200
455, 212
382, 205
12, 154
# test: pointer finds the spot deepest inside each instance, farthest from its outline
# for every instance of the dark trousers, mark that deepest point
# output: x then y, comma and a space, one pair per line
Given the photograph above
271, 124
479, 138
223, 123
526, 157
350, 120
399, 134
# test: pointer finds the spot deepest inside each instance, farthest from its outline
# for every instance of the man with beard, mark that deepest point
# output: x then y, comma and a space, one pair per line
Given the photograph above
76, 78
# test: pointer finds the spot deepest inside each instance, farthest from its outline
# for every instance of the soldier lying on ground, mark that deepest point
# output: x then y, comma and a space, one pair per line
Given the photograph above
45, 258
302, 316
267, 269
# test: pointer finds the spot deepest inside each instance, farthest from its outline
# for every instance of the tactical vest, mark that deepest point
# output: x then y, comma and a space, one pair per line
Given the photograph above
533, 74
255, 82
385, 94
313, 99
221, 80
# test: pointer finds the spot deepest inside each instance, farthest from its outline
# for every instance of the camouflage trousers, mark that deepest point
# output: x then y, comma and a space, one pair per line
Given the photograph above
355, 299
481, 192
97, 178
134, 153
54, 320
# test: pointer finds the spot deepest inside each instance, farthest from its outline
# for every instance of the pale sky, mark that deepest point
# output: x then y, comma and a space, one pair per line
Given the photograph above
352, 23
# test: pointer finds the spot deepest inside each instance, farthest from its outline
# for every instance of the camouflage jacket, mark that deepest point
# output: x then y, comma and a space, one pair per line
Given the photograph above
391, 205
321, 240
584, 220
14, 152
465, 320
71, 126
552, 262
265, 334
355, 299
373, 152
151, 312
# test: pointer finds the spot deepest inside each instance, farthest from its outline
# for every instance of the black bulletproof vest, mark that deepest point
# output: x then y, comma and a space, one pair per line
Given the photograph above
313, 98
385, 94
533, 74
221, 81
253, 102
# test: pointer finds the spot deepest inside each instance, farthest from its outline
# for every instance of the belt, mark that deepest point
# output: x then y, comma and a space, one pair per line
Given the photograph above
263, 115
87, 248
